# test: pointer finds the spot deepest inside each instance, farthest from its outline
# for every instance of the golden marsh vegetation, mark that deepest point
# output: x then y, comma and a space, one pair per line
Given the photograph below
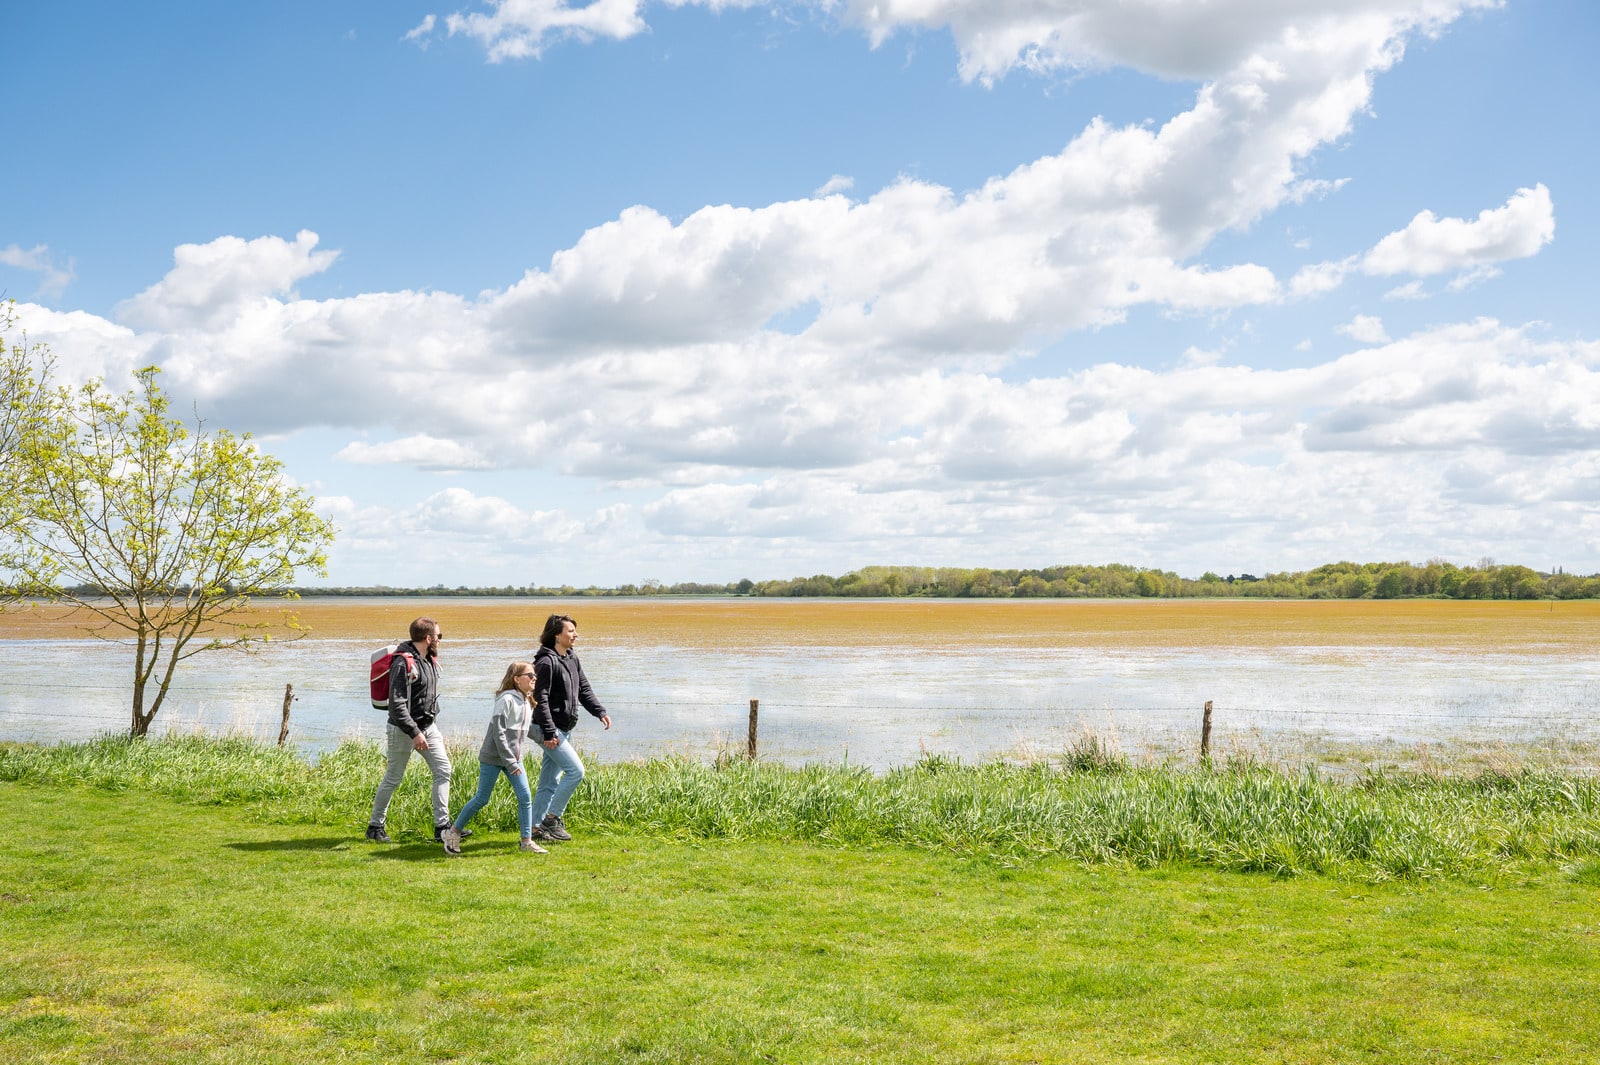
1543, 628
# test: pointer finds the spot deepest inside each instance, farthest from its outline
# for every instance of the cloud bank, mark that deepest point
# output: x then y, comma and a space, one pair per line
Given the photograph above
882, 421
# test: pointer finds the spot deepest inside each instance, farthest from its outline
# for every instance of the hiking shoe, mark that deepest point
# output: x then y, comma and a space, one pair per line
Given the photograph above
531, 847
376, 834
451, 840
438, 833
552, 828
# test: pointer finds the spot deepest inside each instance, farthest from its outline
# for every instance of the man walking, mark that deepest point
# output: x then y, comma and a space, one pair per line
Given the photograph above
413, 726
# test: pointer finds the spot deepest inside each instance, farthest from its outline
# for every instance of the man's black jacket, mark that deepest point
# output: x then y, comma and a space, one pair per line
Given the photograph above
413, 704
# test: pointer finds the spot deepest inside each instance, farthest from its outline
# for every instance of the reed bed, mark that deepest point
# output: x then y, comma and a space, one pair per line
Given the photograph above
1095, 810
1540, 628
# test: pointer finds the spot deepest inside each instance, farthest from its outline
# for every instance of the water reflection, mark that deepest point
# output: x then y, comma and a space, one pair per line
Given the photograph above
871, 705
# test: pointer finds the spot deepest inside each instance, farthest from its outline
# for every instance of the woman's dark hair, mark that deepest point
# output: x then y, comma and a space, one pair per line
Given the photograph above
552, 629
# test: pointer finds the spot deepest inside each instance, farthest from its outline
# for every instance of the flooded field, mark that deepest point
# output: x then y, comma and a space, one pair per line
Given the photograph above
883, 682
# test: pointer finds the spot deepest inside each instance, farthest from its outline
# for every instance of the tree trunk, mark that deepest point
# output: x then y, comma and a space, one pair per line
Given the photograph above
141, 720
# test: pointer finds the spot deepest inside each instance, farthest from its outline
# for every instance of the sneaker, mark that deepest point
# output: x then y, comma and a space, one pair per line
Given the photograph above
531, 847
438, 833
451, 840
376, 834
553, 828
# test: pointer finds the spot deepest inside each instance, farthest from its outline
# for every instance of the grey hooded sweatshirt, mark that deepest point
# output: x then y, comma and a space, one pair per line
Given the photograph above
502, 743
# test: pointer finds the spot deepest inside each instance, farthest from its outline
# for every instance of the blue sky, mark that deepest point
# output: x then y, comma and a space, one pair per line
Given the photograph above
567, 293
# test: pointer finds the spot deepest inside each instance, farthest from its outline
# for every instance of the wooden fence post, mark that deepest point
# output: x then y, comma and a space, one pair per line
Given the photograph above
288, 697
1205, 736
750, 745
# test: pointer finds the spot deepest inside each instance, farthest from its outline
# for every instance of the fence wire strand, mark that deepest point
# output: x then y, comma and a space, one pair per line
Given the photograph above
359, 695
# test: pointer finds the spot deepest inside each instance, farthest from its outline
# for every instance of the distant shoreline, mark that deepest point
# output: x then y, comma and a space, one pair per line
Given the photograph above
1434, 579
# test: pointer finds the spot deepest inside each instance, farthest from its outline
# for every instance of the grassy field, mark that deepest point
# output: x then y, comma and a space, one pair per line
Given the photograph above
138, 929
1450, 627
1092, 806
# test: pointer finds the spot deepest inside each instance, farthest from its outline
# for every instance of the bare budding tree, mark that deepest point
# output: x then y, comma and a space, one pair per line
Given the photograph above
160, 534
25, 378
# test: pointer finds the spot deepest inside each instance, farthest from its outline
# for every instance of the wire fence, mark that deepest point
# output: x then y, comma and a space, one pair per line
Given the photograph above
884, 734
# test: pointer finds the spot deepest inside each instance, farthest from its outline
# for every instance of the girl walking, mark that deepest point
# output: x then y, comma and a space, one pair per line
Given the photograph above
502, 753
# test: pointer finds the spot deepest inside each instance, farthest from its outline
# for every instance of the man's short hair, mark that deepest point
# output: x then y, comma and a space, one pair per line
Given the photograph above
422, 628
552, 629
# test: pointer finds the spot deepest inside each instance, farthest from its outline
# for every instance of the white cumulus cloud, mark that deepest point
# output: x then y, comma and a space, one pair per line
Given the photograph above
1365, 329
209, 282
1184, 41
421, 451
1433, 245
53, 279
1411, 290
518, 29
837, 183
886, 420
422, 31
1189, 41
1320, 278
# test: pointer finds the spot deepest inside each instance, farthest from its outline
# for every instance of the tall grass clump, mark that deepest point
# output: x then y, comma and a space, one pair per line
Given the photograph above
1093, 807
235, 770
1092, 752
189, 768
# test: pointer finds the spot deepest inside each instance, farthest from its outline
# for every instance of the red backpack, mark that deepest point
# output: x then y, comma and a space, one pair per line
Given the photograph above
382, 659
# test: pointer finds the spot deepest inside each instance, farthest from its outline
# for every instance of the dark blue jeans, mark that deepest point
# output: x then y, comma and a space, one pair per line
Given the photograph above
487, 775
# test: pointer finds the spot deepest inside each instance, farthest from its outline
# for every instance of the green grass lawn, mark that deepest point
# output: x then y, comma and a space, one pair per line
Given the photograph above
135, 928
1092, 807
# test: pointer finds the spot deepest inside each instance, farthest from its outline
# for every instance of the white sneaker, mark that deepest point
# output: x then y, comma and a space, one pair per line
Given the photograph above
452, 841
531, 847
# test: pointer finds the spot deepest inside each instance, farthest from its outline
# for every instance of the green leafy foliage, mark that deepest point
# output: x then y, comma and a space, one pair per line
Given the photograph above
162, 534
24, 382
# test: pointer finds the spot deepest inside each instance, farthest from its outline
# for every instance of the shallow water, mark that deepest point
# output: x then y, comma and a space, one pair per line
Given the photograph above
877, 703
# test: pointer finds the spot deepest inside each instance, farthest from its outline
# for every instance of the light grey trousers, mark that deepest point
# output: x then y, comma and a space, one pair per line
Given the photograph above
399, 753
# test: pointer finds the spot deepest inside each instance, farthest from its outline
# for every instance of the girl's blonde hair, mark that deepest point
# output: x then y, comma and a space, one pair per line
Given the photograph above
509, 681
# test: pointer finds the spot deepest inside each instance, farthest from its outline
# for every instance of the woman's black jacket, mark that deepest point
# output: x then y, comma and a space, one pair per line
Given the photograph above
559, 688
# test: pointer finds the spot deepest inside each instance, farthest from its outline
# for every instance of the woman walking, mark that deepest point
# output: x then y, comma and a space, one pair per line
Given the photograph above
559, 689
502, 753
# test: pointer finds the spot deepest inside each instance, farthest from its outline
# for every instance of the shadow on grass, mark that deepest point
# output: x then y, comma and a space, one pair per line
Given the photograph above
494, 849
417, 851
411, 852
321, 843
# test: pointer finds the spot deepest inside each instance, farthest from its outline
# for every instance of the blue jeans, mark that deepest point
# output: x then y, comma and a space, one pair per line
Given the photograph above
487, 775
560, 773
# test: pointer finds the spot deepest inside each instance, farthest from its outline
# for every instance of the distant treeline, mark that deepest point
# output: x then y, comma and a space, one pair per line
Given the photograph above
1336, 580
